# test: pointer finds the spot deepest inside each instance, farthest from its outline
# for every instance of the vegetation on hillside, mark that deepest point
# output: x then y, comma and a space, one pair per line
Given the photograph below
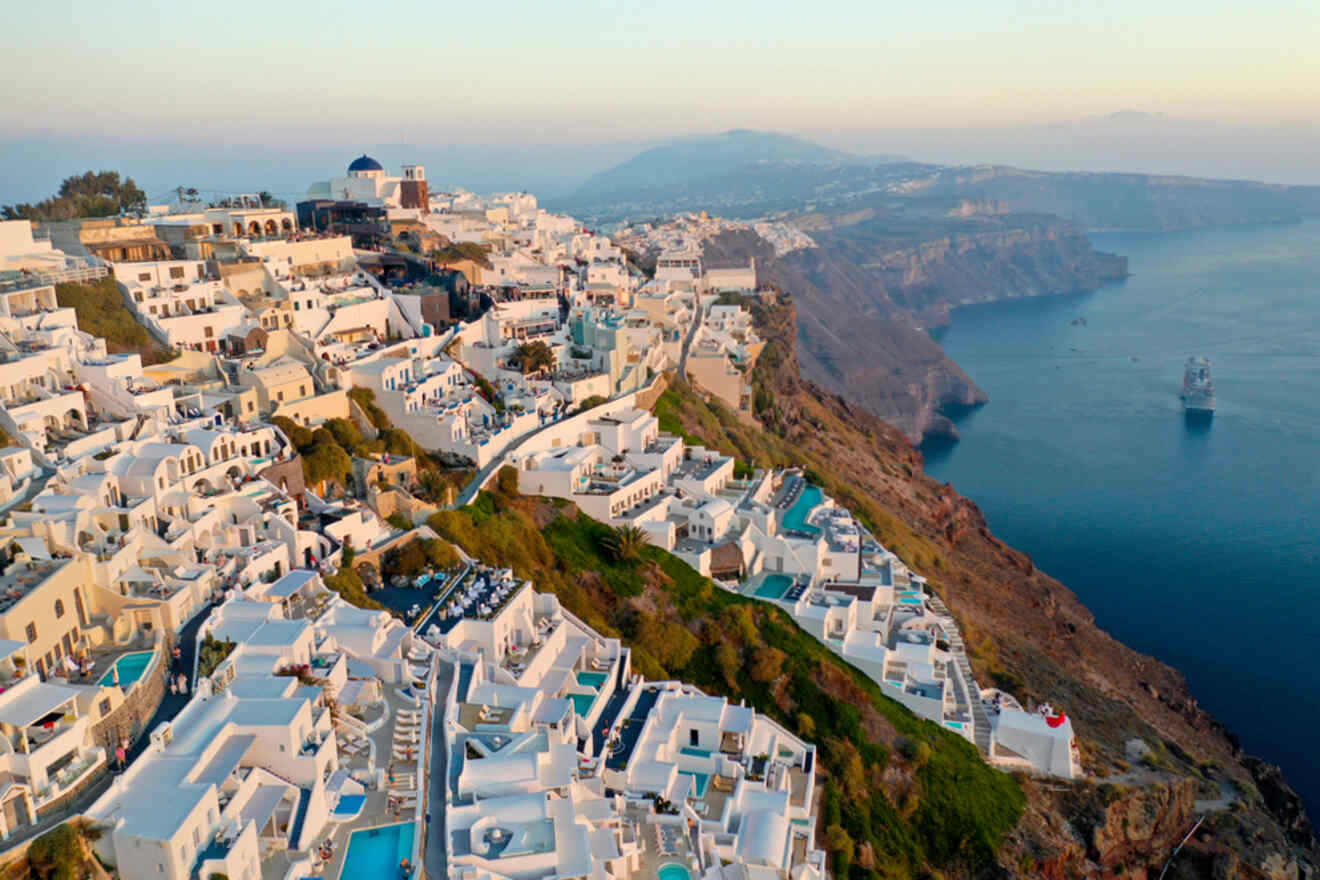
349, 586
62, 853
101, 312
92, 194
439, 475
457, 252
904, 796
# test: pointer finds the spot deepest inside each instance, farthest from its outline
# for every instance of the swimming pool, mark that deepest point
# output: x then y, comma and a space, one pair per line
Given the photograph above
592, 679
694, 752
702, 780
582, 703
795, 518
349, 805
673, 871
774, 586
130, 666
378, 852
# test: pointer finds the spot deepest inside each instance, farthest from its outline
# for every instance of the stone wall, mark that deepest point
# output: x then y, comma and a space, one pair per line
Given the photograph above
130, 717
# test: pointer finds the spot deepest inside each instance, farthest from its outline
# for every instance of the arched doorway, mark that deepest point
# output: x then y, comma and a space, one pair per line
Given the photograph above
286, 225
254, 227
270, 227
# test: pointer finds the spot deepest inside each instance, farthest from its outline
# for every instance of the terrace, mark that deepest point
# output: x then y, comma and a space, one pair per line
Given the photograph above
20, 578
481, 596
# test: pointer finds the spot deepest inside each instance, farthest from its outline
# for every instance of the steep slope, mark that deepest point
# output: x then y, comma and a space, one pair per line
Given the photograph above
870, 288
901, 797
1157, 758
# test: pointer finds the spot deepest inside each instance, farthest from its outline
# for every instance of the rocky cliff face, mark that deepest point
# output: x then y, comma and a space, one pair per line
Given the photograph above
1156, 761
869, 292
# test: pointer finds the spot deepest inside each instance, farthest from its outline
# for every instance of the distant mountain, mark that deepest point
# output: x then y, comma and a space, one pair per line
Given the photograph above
740, 169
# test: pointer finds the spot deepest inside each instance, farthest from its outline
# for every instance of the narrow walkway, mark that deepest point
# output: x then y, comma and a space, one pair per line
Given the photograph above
172, 704
687, 341
435, 859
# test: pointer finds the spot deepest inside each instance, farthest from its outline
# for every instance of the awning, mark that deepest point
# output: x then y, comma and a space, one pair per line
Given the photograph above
35, 702
137, 574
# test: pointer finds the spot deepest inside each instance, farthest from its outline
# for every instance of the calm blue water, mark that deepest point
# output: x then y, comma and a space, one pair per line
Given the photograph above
1197, 545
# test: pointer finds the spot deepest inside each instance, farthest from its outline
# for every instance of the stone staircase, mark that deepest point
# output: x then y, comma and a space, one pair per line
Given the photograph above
958, 648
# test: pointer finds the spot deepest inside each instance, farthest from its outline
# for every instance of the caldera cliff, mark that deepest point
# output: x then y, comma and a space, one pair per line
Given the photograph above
1155, 761
872, 287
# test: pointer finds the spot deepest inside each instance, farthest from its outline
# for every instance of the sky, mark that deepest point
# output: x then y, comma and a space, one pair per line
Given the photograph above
550, 92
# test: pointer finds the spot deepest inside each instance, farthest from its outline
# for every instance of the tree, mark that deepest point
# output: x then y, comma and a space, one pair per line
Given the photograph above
93, 194
625, 543
534, 357
507, 481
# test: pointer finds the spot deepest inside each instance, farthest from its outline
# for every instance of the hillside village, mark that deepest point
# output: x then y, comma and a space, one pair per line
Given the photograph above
229, 638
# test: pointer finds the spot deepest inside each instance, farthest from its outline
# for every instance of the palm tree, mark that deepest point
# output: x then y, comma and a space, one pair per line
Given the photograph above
626, 542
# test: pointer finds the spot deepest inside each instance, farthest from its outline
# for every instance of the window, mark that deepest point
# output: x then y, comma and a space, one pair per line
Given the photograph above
176, 271
160, 481
31, 633
302, 390
151, 309
251, 406
279, 395
209, 332
144, 276
59, 608
104, 707
694, 738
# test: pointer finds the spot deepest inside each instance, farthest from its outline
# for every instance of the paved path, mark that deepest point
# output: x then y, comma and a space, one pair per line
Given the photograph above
435, 860
687, 341
172, 704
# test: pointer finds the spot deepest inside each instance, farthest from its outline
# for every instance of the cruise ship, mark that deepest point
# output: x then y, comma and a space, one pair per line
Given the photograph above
1198, 392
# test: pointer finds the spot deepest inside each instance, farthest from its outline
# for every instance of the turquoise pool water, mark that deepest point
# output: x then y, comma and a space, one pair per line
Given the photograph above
795, 518
582, 703
773, 586
673, 871
702, 780
592, 679
694, 752
130, 666
377, 852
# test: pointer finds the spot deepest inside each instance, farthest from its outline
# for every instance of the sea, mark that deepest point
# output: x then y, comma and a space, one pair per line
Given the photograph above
1197, 543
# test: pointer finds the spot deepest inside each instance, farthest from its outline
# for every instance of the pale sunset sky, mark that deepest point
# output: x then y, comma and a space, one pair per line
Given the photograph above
248, 84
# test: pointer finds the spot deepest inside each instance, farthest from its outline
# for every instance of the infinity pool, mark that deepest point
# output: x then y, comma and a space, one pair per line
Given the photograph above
795, 518
774, 586
377, 852
592, 679
130, 666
